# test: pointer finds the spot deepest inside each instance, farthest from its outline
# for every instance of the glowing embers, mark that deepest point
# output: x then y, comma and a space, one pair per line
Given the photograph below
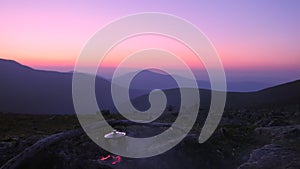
116, 159
105, 158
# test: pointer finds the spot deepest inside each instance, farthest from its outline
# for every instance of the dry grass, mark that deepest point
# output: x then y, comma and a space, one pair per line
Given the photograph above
24, 125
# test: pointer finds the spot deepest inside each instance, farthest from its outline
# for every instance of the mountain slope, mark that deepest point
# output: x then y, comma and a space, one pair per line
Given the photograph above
26, 90
281, 95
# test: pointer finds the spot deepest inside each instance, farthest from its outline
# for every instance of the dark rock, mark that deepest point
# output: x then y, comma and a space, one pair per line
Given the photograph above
276, 133
272, 156
231, 121
5, 145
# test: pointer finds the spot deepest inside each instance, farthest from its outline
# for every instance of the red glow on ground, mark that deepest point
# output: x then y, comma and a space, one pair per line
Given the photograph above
117, 159
105, 158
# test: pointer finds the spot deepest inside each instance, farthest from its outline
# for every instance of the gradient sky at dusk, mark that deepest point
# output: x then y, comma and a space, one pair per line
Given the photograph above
254, 36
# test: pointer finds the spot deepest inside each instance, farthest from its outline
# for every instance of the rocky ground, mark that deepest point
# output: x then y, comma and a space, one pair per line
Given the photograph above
245, 139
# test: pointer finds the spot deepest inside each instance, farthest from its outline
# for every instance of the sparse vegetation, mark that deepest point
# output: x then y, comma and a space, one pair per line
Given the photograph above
14, 126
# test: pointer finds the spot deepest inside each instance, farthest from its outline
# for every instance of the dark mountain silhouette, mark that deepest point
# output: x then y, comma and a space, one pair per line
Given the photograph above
144, 81
147, 80
173, 99
26, 90
281, 95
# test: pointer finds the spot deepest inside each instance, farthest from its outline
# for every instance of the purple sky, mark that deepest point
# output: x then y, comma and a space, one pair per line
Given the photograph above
255, 39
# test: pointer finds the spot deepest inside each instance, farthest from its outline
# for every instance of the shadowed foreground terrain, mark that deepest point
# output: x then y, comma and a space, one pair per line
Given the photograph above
264, 138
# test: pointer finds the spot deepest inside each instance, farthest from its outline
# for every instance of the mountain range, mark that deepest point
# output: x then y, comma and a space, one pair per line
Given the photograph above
26, 90
30, 91
144, 81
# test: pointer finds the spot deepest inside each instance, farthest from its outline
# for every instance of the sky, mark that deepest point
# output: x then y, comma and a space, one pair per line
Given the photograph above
255, 39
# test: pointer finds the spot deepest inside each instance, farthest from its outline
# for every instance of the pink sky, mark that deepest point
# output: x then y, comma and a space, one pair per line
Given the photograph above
248, 35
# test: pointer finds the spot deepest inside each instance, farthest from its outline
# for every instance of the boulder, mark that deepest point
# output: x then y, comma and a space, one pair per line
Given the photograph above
272, 156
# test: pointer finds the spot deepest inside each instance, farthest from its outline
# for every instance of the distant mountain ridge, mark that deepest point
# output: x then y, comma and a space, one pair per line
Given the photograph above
277, 96
26, 90
283, 94
144, 81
